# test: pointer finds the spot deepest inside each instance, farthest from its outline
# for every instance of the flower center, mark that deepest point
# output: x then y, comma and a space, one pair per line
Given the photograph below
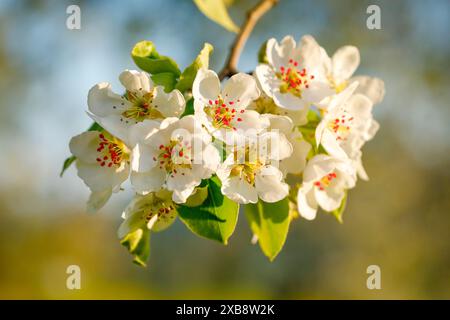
341, 126
175, 155
246, 170
293, 80
338, 87
222, 114
111, 151
325, 181
142, 107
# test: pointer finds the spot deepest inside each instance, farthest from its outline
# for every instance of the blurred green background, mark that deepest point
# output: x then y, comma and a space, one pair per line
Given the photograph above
400, 220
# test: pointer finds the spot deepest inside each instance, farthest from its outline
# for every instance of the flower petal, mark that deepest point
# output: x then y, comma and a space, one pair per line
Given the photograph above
84, 146
169, 104
239, 190
278, 55
206, 86
97, 200
103, 102
136, 81
306, 203
145, 182
269, 184
373, 88
240, 90
345, 61
329, 199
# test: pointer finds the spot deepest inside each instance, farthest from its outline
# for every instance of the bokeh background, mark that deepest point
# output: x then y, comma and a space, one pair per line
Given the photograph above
400, 220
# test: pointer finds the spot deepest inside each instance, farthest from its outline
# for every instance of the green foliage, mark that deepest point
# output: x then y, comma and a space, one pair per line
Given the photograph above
198, 197
188, 75
216, 10
189, 109
215, 218
270, 223
138, 244
68, 162
262, 56
146, 57
165, 79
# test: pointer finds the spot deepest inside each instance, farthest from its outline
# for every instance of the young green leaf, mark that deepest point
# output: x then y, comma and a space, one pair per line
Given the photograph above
146, 57
270, 223
138, 244
165, 79
216, 10
188, 75
189, 108
215, 218
262, 56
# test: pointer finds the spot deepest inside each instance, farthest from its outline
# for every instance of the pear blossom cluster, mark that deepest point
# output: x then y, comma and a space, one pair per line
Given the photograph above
302, 116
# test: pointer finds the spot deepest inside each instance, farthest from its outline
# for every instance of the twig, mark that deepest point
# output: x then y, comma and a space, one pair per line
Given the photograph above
253, 16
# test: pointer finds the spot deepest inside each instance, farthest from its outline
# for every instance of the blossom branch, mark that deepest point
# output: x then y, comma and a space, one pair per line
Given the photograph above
253, 17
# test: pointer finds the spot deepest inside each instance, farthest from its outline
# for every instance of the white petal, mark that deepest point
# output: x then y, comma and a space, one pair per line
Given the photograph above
269, 184
180, 196
274, 146
97, 178
103, 102
145, 182
116, 125
329, 199
239, 190
297, 161
267, 79
279, 54
331, 144
169, 104
136, 81
84, 146
97, 200
206, 86
306, 203
250, 119
141, 131
143, 158
289, 101
240, 90
345, 62
373, 88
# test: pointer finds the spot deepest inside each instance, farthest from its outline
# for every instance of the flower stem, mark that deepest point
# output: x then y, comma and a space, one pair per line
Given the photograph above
253, 16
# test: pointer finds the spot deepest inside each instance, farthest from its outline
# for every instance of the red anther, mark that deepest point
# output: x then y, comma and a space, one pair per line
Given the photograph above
98, 159
101, 136
210, 102
216, 102
102, 164
161, 146
110, 165
231, 102
295, 63
233, 110
242, 111
312, 77
180, 153
239, 119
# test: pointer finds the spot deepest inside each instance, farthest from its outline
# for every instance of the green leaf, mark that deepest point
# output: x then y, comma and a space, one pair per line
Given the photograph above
188, 75
340, 211
146, 57
189, 109
216, 10
165, 79
198, 197
138, 244
262, 56
270, 223
68, 162
216, 218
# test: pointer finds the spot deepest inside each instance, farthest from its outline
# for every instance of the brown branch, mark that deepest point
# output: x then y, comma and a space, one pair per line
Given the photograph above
253, 17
